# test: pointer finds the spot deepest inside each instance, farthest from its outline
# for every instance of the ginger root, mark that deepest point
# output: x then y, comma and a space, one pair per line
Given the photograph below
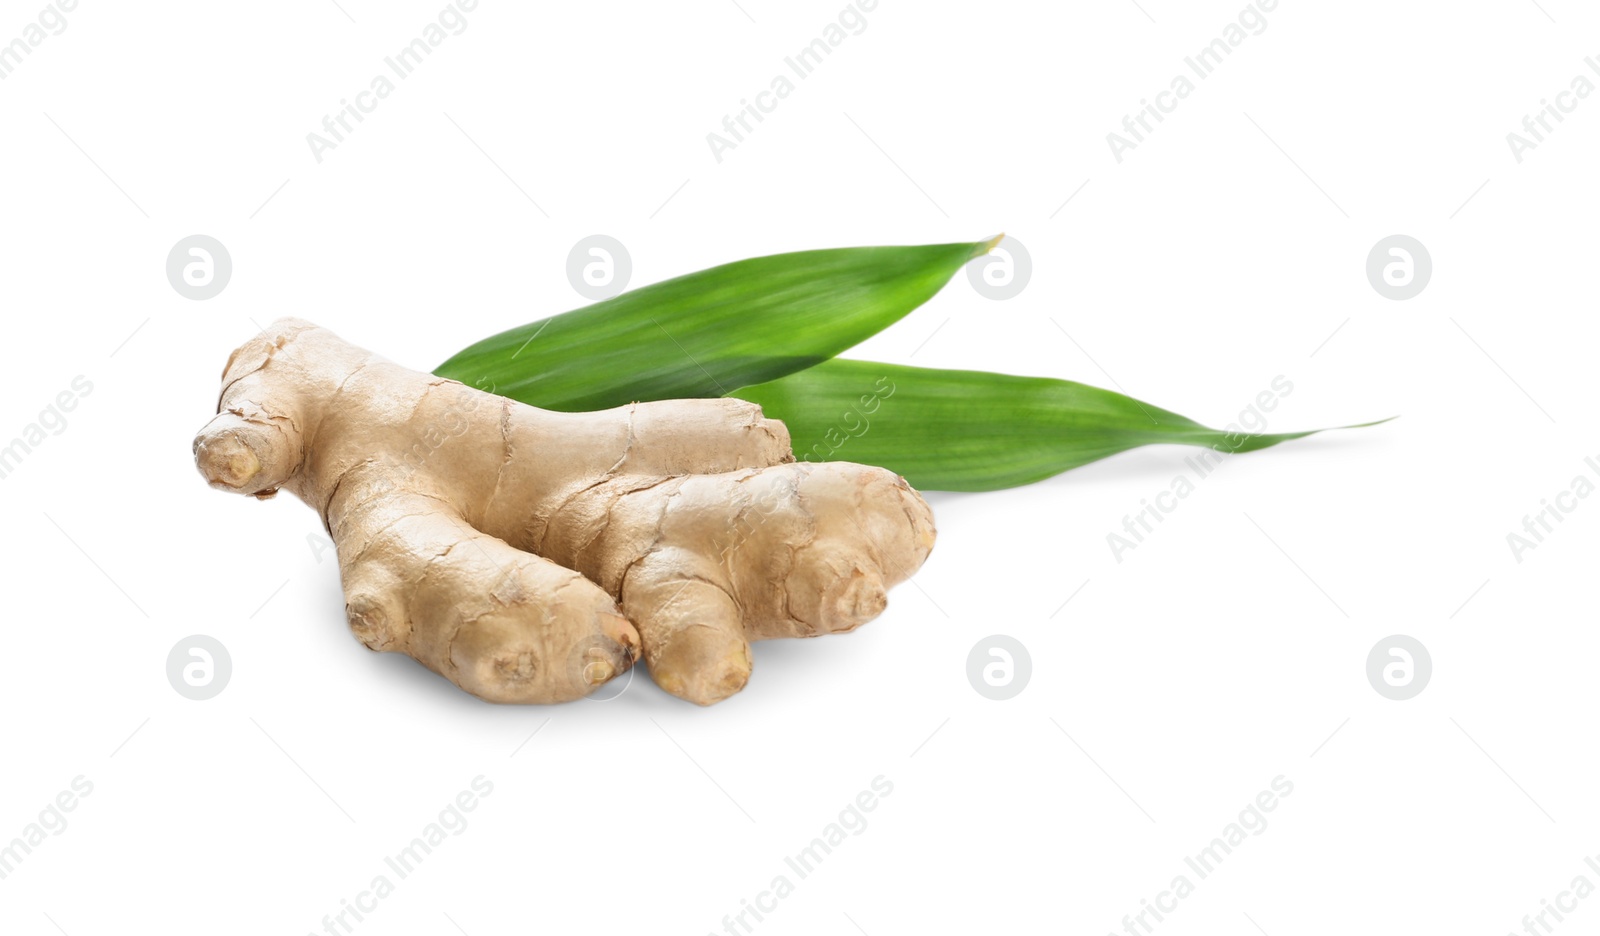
529, 555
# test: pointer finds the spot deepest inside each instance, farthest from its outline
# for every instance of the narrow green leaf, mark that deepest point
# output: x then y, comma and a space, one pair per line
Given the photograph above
706, 333
952, 430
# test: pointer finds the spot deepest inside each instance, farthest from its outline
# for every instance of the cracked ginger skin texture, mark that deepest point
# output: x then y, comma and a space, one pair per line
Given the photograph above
530, 556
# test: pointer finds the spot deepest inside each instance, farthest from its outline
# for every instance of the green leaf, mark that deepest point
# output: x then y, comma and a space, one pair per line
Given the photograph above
706, 333
952, 430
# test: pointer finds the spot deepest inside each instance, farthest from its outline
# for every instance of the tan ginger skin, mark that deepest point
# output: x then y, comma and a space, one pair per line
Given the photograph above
529, 555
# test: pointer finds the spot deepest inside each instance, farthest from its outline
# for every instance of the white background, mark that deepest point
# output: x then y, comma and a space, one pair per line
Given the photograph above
1226, 650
